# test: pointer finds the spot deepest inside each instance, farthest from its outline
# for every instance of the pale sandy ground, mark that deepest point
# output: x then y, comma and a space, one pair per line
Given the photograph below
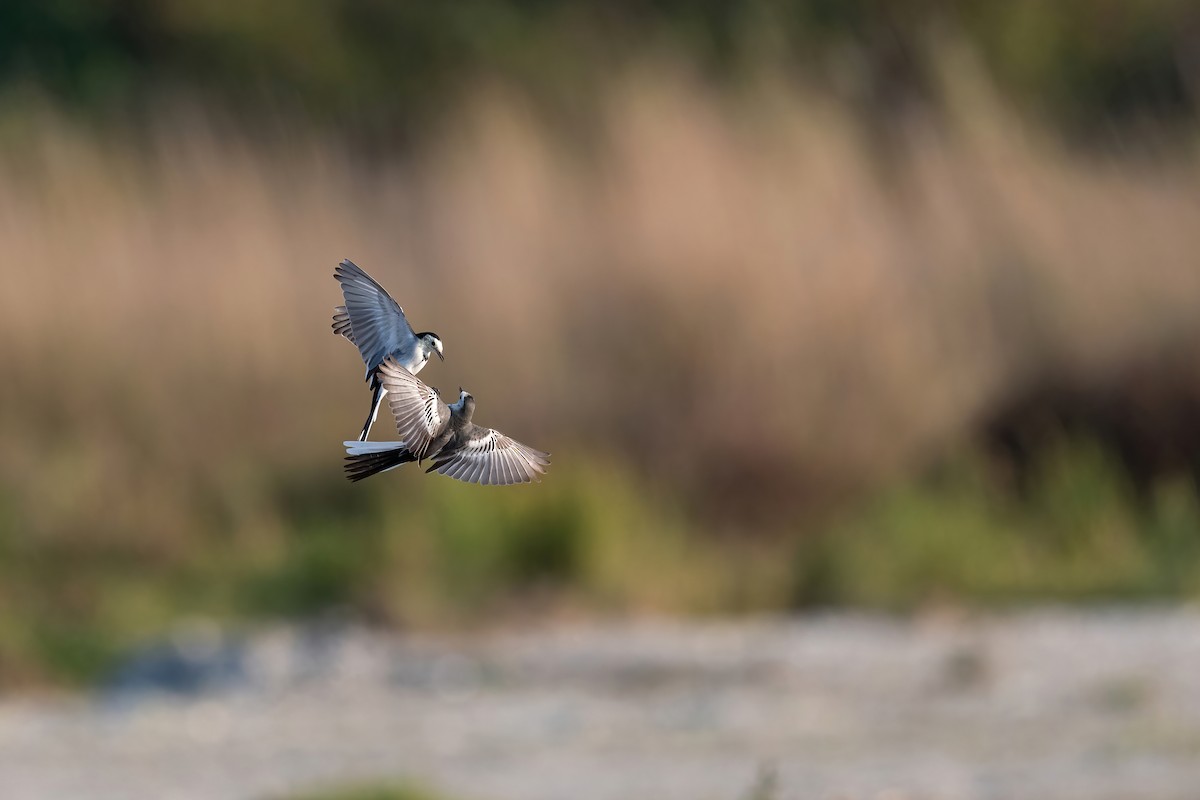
1050, 705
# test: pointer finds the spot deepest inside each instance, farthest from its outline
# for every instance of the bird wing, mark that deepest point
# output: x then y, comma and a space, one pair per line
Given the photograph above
420, 414
341, 324
378, 326
488, 457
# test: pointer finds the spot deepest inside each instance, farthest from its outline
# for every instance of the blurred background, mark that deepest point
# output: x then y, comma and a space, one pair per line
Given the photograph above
829, 307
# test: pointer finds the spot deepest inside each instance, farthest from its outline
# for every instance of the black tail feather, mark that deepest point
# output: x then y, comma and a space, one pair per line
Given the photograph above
367, 464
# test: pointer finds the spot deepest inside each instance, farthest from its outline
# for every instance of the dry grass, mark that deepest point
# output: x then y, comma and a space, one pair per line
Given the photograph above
738, 299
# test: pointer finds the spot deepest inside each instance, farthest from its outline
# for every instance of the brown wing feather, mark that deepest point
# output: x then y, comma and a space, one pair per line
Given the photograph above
489, 457
341, 324
421, 416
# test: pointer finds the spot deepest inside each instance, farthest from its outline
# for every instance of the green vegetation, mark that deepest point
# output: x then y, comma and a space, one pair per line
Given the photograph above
429, 553
765, 788
369, 792
382, 67
959, 535
590, 541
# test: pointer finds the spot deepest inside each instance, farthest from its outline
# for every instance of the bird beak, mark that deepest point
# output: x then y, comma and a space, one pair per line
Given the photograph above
439, 355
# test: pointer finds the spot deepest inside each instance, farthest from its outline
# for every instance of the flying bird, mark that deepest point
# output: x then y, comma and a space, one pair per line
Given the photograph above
375, 323
429, 428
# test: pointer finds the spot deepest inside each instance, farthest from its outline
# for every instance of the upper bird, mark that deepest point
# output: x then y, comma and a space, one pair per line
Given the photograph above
376, 325
429, 428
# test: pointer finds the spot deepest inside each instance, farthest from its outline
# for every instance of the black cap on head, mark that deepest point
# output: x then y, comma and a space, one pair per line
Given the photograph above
436, 338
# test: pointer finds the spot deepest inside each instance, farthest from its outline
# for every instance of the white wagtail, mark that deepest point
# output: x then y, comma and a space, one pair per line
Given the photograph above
431, 429
376, 325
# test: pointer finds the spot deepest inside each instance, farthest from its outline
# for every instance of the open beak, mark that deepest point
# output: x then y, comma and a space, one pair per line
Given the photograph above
439, 355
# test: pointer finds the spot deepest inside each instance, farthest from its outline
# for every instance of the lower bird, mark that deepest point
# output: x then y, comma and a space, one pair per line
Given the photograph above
429, 428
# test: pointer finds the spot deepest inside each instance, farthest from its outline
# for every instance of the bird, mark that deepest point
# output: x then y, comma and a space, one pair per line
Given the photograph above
429, 428
375, 323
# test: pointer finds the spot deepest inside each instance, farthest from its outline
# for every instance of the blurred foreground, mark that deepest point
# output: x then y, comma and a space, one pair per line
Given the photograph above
1057, 705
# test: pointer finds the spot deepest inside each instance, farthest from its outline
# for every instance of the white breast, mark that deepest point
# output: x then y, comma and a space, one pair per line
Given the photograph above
422, 360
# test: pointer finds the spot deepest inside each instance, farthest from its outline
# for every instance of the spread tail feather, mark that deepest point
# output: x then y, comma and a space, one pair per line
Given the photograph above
364, 459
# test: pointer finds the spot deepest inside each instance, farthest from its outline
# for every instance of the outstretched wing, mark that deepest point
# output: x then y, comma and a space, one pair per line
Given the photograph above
421, 416
341, 324
377, 323
489, 457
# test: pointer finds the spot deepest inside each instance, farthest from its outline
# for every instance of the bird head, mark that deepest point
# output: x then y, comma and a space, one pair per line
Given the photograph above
433, 342
467, 403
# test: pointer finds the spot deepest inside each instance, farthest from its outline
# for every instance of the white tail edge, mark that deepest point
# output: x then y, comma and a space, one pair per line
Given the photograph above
366, 448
